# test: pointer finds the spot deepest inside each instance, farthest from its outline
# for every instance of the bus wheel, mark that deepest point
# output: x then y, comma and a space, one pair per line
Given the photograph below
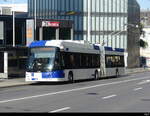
70, 77
96, 77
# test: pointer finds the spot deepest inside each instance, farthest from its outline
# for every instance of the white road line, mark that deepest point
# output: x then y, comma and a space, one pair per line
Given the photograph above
136, 89
144, 82
71, 90
108, 97
59, 110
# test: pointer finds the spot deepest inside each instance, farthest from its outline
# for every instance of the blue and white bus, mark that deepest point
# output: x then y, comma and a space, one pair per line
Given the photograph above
67, 60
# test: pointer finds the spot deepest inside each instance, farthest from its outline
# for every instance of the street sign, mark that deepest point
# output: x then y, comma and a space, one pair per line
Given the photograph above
29, 31
50, 24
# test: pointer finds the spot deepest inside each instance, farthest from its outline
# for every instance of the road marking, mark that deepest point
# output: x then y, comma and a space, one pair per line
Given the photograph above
59, 110
136, 89
72, 90
108, 97
144, 82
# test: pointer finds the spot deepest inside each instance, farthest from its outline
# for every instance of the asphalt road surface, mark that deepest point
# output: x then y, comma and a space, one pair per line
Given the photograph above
124, 94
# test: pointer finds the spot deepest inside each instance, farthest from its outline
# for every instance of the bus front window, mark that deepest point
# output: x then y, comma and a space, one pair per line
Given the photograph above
41, 59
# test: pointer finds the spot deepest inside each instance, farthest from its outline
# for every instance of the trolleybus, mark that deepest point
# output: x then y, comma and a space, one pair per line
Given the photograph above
67, 60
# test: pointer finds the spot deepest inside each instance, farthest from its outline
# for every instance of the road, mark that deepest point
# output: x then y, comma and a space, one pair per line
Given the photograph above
124, 94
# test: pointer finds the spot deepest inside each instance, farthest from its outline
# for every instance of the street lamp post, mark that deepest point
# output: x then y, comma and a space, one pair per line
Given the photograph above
89, 21
35, 19
13, 13
13, 22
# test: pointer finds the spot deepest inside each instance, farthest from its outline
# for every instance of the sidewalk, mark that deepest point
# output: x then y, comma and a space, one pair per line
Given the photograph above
4, 83
13, 82
136, 70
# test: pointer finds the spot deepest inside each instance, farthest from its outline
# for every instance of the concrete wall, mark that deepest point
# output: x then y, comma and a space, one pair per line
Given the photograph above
133, 34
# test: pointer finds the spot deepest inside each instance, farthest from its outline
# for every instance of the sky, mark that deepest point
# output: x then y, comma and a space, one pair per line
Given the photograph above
10, 1
145, 4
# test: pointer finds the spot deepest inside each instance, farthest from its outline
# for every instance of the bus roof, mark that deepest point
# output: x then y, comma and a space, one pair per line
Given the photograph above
80, 44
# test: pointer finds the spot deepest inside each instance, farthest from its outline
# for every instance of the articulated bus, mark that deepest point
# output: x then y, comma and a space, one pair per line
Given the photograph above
66, 60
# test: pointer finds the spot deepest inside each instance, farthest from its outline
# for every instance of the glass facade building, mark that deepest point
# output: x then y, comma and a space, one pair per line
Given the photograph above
96, 21
106, 16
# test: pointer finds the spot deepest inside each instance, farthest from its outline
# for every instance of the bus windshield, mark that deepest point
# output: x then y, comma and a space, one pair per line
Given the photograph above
41, 59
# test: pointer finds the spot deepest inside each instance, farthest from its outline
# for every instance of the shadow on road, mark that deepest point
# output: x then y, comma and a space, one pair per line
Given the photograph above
76, 81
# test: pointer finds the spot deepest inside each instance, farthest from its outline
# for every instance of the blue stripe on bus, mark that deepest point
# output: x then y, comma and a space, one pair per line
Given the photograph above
116, 49
53, 74
96, 47
34, 79
38, 44
108, 49
119, 50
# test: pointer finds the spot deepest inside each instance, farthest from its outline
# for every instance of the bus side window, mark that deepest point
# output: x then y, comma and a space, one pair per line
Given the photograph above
108, 61
66, 58
62, 60
121, 62
72, 61
57, 62
77, 60
98, 61
87, 63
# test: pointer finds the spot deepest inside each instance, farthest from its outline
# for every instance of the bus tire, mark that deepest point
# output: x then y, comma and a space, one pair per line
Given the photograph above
70, 77
96, 76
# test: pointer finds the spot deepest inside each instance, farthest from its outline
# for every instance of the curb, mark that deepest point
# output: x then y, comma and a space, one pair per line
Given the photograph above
16, 85
139, 71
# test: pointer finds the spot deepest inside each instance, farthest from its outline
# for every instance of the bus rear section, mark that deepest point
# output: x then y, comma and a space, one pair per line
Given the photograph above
115, 62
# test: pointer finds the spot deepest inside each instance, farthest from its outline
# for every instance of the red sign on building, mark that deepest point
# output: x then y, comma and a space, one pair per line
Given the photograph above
50, 24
